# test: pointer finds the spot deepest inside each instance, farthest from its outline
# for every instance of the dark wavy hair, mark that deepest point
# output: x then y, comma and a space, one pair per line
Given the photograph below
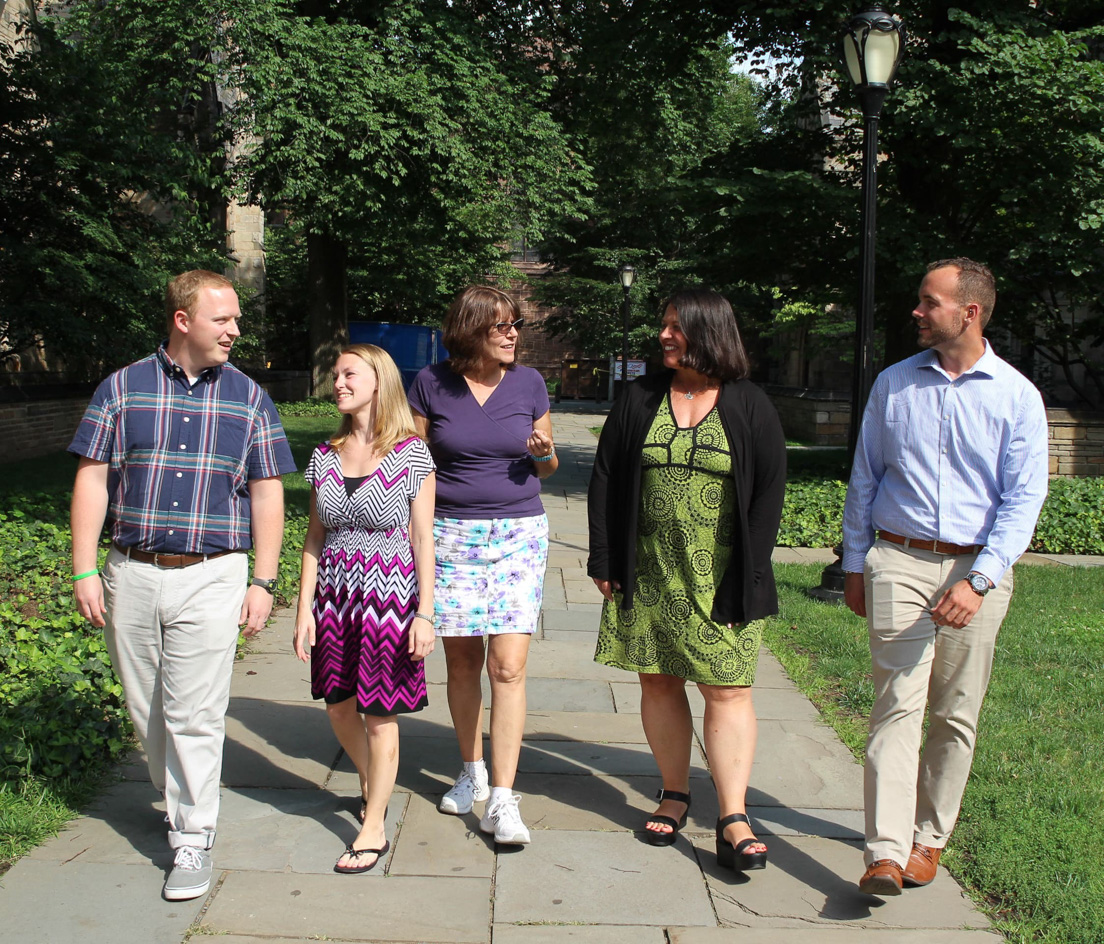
468, 323
713, 345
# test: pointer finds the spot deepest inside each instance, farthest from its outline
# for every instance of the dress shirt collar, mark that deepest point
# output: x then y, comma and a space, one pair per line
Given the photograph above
984, 365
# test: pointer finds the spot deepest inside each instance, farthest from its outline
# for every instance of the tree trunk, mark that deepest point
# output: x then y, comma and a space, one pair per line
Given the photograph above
327, 266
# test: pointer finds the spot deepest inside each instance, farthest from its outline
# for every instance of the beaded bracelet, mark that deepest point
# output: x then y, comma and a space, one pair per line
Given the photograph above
87, 573
547, 458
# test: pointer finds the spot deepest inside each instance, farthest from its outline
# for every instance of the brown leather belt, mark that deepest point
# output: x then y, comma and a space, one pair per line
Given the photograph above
940, 547
168, 560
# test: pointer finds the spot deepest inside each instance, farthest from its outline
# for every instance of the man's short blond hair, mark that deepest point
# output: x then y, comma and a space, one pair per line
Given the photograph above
182, 291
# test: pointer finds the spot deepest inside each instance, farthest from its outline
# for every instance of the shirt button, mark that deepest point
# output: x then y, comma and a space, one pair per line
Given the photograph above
175, 504
182, 446
187, 419
191, 393
180, 475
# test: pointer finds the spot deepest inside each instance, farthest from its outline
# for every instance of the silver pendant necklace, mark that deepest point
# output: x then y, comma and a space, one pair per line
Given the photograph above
690, 396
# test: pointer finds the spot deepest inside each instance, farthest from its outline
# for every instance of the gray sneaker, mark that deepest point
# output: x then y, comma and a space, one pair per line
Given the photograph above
191, 874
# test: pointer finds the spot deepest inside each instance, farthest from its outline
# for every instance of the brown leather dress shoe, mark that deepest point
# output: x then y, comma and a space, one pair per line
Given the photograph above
920, 868
883, 878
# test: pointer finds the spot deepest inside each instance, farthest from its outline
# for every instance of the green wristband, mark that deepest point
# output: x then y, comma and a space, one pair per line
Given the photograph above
87, 573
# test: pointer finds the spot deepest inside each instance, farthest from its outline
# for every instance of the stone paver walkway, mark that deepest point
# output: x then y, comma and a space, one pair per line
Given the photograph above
587, 779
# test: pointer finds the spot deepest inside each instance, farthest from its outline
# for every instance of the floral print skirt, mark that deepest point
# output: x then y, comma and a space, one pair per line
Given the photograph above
490, 574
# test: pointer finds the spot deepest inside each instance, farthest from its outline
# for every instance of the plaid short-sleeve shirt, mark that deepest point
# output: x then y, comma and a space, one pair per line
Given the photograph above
181, 455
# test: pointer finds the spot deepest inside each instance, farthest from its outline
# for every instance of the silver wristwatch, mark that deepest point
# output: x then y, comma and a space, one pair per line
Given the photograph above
979, 583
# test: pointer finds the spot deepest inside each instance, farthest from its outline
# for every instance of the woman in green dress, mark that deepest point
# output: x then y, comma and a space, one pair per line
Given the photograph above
684, 504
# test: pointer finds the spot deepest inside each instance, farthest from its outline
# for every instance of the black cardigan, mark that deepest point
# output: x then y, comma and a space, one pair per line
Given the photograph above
747, 590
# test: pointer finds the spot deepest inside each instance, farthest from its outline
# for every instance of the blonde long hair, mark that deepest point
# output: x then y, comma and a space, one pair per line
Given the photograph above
394, 421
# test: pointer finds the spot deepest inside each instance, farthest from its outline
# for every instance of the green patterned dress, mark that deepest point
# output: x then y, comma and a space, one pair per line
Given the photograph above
686, 529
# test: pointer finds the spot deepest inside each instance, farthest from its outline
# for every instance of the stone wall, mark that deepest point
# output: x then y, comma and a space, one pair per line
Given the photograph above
1076, 442
1076, 439
32, 428
816, 417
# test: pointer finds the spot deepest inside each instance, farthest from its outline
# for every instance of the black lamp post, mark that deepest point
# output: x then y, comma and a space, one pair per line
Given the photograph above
625, 274
873, 42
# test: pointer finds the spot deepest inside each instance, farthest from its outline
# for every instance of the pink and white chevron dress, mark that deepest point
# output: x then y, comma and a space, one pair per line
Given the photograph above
367, 590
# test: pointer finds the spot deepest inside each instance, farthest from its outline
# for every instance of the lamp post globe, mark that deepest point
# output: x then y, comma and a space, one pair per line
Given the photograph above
625, 276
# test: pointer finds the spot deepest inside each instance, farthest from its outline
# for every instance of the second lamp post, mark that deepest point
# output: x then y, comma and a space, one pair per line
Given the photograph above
626, 274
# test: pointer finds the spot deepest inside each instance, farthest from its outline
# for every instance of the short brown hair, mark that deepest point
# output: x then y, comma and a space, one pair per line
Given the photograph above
468, 321
713, 345
182, 291
976, 284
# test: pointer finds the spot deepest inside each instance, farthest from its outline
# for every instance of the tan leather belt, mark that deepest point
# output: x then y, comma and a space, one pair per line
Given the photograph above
940, 547
168, 560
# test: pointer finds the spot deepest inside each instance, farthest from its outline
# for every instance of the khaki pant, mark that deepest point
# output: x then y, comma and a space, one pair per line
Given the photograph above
172, 635
911, 796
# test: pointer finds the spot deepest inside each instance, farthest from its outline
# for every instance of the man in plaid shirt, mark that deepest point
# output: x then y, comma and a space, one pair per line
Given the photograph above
183, 454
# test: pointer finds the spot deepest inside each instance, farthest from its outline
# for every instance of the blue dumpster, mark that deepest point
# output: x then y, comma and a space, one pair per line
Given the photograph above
410, 346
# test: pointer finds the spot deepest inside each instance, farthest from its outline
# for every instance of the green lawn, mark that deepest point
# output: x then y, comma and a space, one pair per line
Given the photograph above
1028, 844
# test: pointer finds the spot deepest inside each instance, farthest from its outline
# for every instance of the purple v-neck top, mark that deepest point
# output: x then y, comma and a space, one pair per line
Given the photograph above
483, 465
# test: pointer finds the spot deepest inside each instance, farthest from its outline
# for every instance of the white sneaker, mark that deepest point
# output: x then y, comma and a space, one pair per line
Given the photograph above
465, 791
504, 820
190, 876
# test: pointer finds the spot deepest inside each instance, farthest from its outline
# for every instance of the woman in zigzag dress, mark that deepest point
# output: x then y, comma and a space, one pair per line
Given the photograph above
365, 615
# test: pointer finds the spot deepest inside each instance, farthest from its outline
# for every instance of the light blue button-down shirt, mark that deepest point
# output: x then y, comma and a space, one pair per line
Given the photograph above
961, 460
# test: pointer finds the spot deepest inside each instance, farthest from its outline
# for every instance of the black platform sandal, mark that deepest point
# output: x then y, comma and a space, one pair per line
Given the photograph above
667, 839
735, 858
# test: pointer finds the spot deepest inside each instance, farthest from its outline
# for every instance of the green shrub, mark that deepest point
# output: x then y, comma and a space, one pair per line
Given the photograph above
1072, 519
61, 707
314, 406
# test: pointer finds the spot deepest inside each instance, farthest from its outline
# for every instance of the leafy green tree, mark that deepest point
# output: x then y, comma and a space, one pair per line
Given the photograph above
992, 142
105, 128
403, 148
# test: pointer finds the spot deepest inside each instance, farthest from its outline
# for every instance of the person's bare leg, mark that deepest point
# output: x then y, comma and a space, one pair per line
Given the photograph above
665, 715
464, 661
348, 725
382, 744
506, 657
731, 731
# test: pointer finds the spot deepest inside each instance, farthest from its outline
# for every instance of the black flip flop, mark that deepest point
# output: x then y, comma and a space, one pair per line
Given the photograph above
356, 854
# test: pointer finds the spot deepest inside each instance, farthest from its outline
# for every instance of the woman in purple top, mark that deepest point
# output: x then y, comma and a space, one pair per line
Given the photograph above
488, 427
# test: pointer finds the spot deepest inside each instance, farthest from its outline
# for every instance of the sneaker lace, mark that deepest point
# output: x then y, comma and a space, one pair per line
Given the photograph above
507, 810
188, 858
463, 782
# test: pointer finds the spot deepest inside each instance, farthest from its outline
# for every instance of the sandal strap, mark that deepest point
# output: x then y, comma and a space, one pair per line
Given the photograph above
744, 843
357, 853
675, 795
732, 818
663, 821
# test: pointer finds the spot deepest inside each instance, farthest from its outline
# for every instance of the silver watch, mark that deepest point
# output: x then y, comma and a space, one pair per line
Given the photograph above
979, 583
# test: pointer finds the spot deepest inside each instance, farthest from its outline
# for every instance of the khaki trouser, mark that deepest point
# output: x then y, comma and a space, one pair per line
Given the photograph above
911, 796
172, 635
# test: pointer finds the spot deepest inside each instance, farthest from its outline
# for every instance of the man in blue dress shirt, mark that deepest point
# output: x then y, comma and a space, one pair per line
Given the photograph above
183, 454
949, 475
